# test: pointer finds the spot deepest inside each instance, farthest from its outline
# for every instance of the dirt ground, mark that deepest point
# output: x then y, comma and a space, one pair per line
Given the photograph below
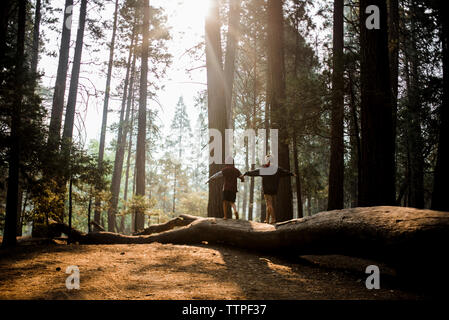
163, 271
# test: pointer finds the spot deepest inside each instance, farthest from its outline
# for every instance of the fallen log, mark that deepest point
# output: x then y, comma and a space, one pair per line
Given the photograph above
409, 239
374, 228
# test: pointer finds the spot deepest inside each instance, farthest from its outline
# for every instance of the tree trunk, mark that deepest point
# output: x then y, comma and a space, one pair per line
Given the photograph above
297, 178
239, 200
231, 48
254, 125
216, 102
69, 234
336, 171
283, 203
111, 214
4, 22
251, 196
299, 209
129, 127
35, 50
393, 49
377, 153
108, 88
134, 179
440, 200
413, 123
142, 119
174, 190
22, 212
19, 210
309, 205
121, 139
130, 143
245, 184
71, 101
54, 132
12, 201
263, 207
89, 210
73, 90
355, 142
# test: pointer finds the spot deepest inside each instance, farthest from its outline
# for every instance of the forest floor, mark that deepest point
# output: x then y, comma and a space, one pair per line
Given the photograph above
164, 271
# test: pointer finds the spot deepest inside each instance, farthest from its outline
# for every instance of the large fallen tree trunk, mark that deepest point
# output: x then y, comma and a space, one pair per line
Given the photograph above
407, 238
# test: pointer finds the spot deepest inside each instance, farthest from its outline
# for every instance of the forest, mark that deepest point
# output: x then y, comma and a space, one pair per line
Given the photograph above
109, 111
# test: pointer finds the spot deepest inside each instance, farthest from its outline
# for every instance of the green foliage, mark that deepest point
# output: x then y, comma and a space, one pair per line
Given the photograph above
139, 203
194, 203
48, 192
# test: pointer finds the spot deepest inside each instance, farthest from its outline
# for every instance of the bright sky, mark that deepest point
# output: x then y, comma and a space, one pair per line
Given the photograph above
186, 20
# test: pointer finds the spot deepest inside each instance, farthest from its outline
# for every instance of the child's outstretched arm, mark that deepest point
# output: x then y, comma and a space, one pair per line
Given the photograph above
253, 173
219, 174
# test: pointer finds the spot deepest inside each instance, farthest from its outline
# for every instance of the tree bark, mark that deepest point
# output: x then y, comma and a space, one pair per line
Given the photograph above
216, 102
89, 210
245, 184
263, 207
12, 200
69, 235
377, 153
19, 210
54, 132
71, 102
355, 142
299, 209
4, 21
297, 178
129, 127
393, 49
254, 126
174, 188
142, 119
108, 88
309, 205
283, 203
73, 90
121, 138
336, 170
251, 195
413, 122
440, 200
231, 49
35, 50
130, 143
111, 217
